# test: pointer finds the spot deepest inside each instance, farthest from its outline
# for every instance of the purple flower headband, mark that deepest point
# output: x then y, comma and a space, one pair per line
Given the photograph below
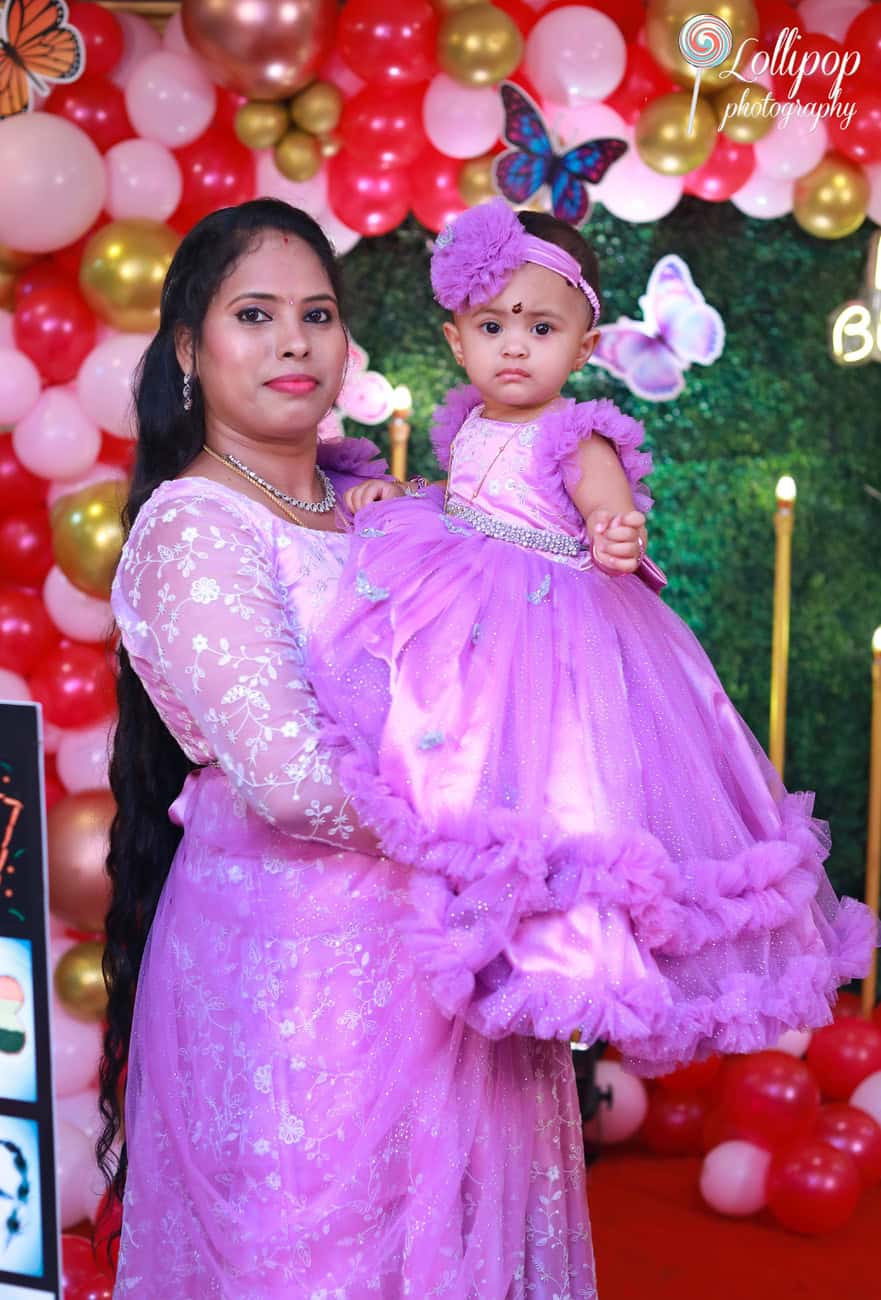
475, 258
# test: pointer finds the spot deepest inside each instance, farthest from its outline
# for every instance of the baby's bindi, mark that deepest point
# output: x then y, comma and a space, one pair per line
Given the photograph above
517, 308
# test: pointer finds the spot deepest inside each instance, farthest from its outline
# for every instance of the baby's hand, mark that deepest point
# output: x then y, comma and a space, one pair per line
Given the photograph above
619, 541
372, 489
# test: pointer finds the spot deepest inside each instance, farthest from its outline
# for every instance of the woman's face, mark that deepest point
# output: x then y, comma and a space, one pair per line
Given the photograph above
271, 357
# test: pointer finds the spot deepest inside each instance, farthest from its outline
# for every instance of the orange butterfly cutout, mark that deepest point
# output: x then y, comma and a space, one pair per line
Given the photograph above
35, 47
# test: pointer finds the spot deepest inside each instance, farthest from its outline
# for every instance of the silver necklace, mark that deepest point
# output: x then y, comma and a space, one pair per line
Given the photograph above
322, 507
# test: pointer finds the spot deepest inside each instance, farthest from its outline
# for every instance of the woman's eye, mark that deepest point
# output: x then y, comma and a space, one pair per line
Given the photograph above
319, 316
542, 328
252, 315
491, 327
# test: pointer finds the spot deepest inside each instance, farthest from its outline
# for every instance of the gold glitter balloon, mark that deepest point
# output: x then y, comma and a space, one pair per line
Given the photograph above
830, 201
476, 180
479, 45
79, 981
663, 23
123, 269
87, 535
732, 108
297, 156
662, 139
261, 123
317, 109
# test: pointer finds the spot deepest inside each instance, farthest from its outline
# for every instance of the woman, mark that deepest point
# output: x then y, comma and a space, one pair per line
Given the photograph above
301, 1120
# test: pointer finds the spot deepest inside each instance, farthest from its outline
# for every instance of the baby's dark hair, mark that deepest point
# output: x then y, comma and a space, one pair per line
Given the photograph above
544, 226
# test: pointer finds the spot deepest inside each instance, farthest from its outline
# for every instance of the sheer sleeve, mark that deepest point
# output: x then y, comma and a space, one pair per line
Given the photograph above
206, 624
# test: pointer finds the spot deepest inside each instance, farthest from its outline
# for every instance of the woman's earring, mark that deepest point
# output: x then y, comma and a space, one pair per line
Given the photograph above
188, 392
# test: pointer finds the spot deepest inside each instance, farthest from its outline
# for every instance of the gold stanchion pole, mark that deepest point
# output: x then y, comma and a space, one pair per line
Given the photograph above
873, 830
399, 431
784, 519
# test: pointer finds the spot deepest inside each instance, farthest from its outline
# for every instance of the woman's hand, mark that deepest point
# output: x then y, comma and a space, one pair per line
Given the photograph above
619, 541
372, 489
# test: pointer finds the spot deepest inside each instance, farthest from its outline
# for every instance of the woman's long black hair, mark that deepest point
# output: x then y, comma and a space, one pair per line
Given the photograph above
148, 767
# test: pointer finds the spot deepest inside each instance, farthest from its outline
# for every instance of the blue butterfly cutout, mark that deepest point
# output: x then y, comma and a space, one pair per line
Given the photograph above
532, 162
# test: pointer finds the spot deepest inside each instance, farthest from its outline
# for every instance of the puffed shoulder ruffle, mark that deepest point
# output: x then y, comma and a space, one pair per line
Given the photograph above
566, 426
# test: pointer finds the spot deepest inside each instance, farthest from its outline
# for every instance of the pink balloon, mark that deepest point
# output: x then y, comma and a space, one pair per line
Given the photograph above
867, 1096
79, 616
76, 1174
97, 474
635, 192
6, 333
81, 1110
13, 687
335, 70
794, 1042
76, 1050
143, 180
169, 98
734, 1178
140, 39
53, 182
20, 386
310, 195
52, 735
461, 121
56, 439
591, 120
764, 196
873, 175
173, 37
831, 17
339, 234
618, 1122
105, 379
84, 755
791, 148
575, 53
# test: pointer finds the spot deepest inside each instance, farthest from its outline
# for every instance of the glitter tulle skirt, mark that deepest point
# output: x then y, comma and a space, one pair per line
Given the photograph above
598, 839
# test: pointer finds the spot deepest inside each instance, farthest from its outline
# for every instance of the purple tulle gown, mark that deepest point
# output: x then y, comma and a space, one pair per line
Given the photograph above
597, 839
303, 1121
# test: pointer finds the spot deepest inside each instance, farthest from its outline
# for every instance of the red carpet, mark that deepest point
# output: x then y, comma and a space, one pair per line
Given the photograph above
655, 1240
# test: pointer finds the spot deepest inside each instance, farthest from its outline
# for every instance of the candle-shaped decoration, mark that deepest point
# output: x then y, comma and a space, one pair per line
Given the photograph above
784, 518
399, 430
873, 829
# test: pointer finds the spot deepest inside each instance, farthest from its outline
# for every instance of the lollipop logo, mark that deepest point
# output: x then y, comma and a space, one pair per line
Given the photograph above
705, 41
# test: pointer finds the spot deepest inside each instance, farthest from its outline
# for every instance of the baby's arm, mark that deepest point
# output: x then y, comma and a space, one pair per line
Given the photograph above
602, 494
381, 489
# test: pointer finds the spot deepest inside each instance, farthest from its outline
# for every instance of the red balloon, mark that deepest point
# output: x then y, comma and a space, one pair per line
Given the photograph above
848, 1004
853, 1131
228, 104
97, 106
394, 44
55, 327
842, 1054
102, 35
108, 1222
19, 488
369, 200
436, 197
729, 166
117, 451
52, 787
68, 259
217, 171
815, 86
75, 684
40, 275
769, 1098
26, 630
691, 1078
860, 138
82, 1274
642, 82
629, 15
382, 125
674, 1123
813, 1188
25, 548
774, 15
864, 35
523, 16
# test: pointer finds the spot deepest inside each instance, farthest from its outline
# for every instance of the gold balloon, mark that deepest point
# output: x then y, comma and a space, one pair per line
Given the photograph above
479, 45
297, 156
662, 140
78, 830
87, 535
740, 124
453, 6
79, 981
123, 269
265, 49
476, 180
261, 123
7, 289
663, 23
329, 146
830, 201
317, 109
12, 260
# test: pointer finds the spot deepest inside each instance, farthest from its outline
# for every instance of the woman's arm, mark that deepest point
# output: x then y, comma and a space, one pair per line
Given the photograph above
206, 624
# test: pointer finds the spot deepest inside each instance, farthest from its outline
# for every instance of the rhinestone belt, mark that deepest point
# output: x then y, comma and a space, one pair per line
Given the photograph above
535, 539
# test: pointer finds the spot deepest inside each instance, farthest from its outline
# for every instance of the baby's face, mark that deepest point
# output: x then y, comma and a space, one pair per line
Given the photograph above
520, 348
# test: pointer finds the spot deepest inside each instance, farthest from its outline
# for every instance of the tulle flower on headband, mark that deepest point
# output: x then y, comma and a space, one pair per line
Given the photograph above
475, 257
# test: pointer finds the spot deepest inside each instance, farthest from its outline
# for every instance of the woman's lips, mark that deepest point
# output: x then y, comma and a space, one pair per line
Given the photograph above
296, 385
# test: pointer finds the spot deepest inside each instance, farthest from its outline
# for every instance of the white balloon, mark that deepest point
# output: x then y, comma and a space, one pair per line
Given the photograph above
310, 195
13, 687
830, 17
105, 382
791, 148
575, 53
79, 616
867, 1096
873, 175
764, 196
81, 1110
461, 121
635, 192
339, 234
620, 1120
57, 439
794, 1042
75, 1173
734, 1178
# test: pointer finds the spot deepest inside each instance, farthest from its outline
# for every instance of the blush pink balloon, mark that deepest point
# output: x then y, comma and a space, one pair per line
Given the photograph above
56, 439
81, 1110
618, 1122
53, 182
52, 735
12, 686
764, 196
867, 1096
734, 1178
575, 53
173, 37
337, 71
20, 386
461, 121
6, 331
84, 755
169, 98
339, 234
77, 615
97, 474
637, 193
76, 1050
75, 1173
830, 17
791, 148
794, 1042
140, 38
873, 175
105, 379
309, 195
143, 180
